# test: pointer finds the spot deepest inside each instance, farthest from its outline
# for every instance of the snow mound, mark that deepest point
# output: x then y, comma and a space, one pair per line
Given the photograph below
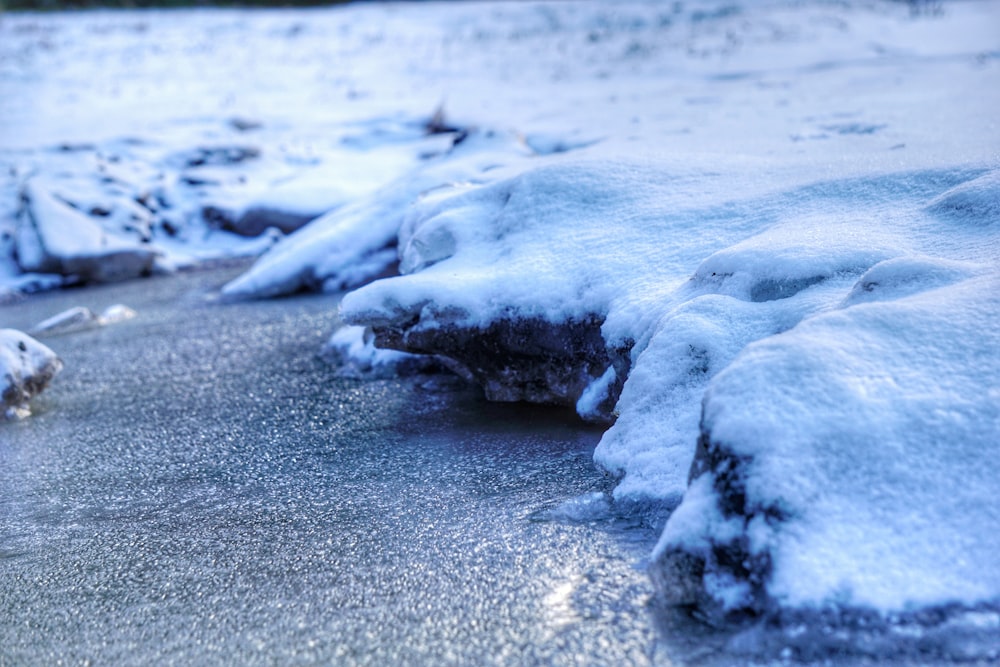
573, 273
976, 202
851, 461
26, 368
793, 255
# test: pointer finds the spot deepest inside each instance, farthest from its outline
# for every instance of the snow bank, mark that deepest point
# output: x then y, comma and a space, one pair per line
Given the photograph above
813, 349
26, 368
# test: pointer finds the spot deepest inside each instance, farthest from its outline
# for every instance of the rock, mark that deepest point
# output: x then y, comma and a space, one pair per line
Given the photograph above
256, 220
215, 156
520, 359
850, 464
53, 237
26, 368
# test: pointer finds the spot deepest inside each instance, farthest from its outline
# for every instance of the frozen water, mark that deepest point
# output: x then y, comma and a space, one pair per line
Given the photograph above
229, 498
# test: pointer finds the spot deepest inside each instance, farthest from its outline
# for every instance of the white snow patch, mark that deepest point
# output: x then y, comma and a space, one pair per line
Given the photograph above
357, 242
353, 350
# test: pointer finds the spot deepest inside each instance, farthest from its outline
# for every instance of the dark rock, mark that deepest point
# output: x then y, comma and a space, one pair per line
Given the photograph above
516, 359
216, 156
680, 574
255, 221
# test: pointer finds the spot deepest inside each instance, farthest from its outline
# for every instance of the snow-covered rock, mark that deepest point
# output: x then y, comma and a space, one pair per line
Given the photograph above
357, 243
852, 461
26, 368
53, 237
874, 355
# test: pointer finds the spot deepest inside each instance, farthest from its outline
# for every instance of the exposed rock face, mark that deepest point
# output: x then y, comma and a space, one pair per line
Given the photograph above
53, 237
257, 220
26, 368
517, 359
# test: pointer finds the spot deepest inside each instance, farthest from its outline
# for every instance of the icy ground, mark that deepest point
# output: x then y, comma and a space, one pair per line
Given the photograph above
759, 238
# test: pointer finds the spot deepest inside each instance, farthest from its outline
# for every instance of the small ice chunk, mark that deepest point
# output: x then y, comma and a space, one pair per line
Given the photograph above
73, 319
115, 314
81, 318
590, 507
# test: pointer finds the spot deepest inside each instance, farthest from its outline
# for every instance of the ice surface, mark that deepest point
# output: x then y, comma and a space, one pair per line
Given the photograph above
26, 368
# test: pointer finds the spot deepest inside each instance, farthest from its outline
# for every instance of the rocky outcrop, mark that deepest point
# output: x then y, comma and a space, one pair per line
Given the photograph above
521, 359
680, 572
26, 368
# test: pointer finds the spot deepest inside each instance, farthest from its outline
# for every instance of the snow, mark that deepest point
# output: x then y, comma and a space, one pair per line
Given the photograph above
353, 351
872, 429
354, 244
783, 217
53, 237
26, 368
